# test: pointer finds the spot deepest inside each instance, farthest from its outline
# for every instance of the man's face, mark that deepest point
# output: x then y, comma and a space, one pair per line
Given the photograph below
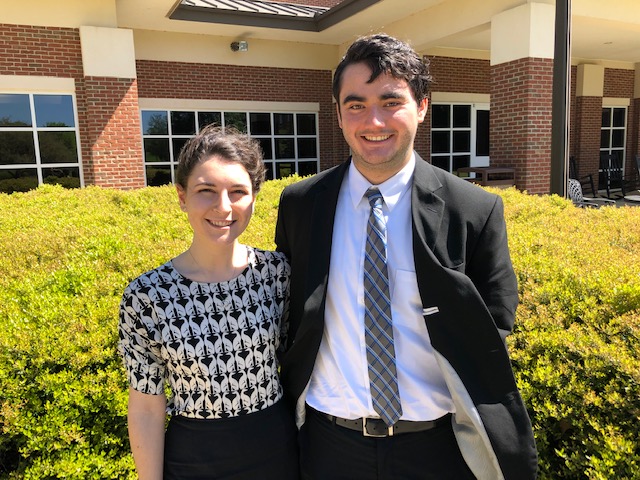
379, 121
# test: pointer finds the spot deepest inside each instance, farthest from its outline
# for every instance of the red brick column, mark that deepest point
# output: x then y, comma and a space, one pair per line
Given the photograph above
588, 121
111, 134
521, 92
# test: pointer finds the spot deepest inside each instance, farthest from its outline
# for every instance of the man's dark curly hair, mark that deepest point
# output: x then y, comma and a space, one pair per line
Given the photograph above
385, 54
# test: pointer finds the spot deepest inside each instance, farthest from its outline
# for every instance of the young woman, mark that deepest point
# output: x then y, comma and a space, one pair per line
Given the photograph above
207, 324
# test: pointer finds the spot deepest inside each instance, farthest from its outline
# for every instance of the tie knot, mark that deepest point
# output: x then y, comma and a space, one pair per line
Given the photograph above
374, 196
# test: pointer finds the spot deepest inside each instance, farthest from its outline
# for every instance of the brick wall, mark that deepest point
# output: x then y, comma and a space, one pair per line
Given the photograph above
460, 75
588, 120
41, 51
159, 79
618, 83
521, 93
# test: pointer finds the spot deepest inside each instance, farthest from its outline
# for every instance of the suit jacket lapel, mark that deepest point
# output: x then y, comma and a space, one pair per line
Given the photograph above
427, 208
322, 214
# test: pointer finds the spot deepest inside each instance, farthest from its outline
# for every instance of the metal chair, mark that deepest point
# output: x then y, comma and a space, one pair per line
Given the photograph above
586, 181
574, 190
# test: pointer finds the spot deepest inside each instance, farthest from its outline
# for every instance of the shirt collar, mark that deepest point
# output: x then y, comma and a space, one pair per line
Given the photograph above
391, 189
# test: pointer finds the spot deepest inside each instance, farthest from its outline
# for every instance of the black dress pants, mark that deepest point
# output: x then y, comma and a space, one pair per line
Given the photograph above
331, 452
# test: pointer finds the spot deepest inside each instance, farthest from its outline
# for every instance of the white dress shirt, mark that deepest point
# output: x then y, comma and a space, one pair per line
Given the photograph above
339, 383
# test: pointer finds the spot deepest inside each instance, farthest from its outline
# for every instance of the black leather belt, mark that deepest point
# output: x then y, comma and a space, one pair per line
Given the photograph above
375, 427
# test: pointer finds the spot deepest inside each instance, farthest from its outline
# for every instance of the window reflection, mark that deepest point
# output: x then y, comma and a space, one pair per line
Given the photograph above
14, 110
54, 110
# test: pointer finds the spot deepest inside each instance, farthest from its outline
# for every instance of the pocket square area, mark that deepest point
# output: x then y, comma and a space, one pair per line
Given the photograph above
430, 310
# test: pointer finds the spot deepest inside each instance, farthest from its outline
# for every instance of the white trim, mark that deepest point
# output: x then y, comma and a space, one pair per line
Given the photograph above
458, 97
35, 84
615, 102
226, 105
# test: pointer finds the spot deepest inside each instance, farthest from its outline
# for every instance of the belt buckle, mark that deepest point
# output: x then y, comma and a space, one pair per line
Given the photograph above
366, 433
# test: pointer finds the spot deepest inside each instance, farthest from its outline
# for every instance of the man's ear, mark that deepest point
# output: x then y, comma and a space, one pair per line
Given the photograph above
422, 109
338, 115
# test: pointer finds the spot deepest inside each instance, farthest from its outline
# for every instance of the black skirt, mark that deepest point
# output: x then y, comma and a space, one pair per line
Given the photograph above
258, 446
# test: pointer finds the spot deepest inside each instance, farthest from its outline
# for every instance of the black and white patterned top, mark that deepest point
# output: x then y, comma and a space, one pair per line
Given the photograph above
214, 343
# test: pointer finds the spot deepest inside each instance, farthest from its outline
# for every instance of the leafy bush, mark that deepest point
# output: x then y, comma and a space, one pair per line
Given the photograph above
68, 254
576, 349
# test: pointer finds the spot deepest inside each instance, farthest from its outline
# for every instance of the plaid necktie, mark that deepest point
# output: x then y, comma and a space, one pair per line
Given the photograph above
383, 378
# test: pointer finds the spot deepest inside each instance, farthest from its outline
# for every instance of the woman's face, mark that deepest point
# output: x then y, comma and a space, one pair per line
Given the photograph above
218, 200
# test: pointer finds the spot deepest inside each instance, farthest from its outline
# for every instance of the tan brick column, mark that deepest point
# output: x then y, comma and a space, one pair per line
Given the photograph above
111, 132
521, 90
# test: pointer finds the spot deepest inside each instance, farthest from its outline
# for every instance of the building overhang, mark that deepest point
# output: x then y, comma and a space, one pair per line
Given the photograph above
257, 13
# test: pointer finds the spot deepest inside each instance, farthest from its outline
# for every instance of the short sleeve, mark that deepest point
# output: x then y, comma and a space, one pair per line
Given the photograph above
137, 344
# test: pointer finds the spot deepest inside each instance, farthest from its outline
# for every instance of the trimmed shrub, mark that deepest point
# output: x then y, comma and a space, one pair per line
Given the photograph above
576, 349
68, 254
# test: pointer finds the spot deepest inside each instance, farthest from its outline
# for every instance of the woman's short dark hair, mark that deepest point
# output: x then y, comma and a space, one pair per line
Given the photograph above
227, 144
385, 54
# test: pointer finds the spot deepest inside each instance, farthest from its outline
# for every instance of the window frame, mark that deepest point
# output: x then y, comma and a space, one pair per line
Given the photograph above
271, 160
34, 129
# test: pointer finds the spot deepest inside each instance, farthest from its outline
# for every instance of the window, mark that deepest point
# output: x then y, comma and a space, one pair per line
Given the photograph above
38, 141
451, 133
613, 132
289, 141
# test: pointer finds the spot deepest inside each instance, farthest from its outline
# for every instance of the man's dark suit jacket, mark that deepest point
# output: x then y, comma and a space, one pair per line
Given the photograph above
463, 268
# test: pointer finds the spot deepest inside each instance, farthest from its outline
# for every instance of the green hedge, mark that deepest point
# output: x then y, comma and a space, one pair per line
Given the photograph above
68, 254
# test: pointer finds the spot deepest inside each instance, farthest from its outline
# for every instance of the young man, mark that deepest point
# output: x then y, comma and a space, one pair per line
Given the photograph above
443, 301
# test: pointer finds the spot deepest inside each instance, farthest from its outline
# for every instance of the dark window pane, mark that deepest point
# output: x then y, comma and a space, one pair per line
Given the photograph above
605, 136
237, 120
606, 117
440, 116
269, 167
482, 133
265, 144
284, 169
178, 143
460, 161
462, 116
307, 168
307, 148
154, 123
14, 110
156, 150
462, 141
285, 148
306, 123
283, 123
619, 154
440, 142
440, 162
19, 180
617, 138
207, 118
157, 175
16, 147
54, 110
68, 177
260, 123
58, 147
619, 115
183, 123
